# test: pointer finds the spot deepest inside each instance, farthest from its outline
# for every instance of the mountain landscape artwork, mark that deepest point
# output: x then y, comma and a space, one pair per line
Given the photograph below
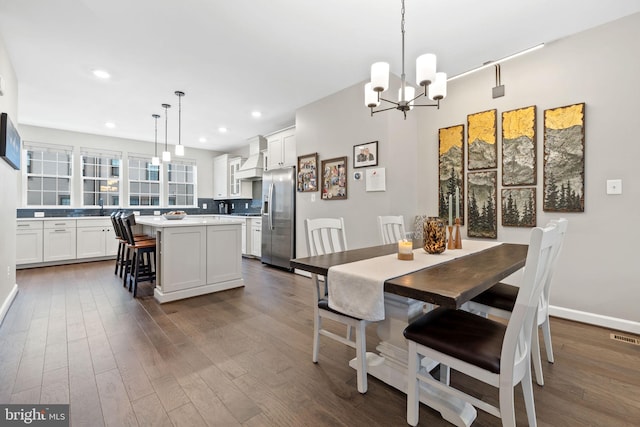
519, 207
482, 190
451, 170
519, 147
564, 159
481, 140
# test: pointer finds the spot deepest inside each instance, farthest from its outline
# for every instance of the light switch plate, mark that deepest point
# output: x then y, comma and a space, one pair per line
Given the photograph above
614, 186
38, 214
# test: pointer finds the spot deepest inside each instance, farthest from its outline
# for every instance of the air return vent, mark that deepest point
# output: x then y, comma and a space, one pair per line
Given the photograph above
624, 338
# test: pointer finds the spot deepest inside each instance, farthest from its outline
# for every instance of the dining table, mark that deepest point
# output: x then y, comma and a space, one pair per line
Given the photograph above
449, 279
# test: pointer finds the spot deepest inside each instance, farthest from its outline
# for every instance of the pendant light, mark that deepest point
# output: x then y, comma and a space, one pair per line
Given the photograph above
166, 154
155, 160
179, 147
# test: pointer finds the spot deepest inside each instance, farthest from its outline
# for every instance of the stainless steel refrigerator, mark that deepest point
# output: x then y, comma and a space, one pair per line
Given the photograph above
279, 216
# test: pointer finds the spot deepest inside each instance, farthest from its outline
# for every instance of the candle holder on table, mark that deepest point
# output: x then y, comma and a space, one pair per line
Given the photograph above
458, 238
405, 250
451, 243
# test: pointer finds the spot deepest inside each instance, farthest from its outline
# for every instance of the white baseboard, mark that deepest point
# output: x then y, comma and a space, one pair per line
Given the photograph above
595, 319
7, 302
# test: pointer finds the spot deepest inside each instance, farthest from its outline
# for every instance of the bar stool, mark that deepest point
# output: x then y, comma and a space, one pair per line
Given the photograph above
140, 265
121, 242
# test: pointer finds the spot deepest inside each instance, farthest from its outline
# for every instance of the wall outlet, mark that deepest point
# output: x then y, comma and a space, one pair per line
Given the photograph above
38, 214
136, 213
156, 213
233, 206
246, 205
8, 270
614, 186
204, 206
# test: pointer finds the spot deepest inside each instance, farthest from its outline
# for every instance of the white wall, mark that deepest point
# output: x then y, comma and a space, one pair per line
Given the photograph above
598, 280
203, 158
8, 178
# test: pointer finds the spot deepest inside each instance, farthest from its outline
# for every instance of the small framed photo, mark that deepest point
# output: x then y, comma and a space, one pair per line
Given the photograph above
365, 155
308, 173
334, 179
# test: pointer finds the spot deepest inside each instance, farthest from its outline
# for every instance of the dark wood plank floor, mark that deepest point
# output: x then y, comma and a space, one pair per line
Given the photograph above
243, 358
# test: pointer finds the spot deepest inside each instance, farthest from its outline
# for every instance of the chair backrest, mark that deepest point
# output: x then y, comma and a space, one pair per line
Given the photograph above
116, 226
325, 235
516, 347
126, 221
391, 229
543, 305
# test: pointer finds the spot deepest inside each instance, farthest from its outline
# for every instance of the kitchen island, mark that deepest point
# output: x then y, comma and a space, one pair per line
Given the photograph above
194, 256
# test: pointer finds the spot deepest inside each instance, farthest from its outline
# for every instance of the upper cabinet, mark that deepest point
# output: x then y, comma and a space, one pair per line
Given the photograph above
225, 183
281, 149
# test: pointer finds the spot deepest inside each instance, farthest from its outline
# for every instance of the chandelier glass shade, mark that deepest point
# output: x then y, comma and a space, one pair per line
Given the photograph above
433, 82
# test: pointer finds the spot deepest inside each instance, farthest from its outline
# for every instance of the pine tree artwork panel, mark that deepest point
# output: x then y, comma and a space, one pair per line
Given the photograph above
564, 143
519, 147
482, 215
450, 170
519, 207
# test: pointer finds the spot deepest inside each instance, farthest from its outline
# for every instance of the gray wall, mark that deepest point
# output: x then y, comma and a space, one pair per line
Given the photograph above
598, 279
8, 178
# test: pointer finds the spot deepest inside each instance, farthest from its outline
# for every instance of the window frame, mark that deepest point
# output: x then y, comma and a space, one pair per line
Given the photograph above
108, 157
182, 163
30, 146
147, 170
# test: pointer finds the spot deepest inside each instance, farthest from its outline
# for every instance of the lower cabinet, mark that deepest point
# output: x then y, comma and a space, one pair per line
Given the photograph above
59, 240
96, 238
256, 238
29, 242
223, 261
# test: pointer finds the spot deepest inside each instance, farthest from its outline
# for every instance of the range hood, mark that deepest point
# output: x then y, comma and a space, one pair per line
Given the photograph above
252, 168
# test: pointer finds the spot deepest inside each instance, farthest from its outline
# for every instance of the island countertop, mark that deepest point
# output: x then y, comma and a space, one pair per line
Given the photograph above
158, 221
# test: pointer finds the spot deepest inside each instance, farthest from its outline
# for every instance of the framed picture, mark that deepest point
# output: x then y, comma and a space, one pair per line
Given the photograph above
482, 150
519, 207
519, 147
564, 159
482, 204
10, 142
334, 179
308, 173
451, 170
365, 155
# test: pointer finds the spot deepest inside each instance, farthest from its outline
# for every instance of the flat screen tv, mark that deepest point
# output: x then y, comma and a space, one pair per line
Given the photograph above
9, 142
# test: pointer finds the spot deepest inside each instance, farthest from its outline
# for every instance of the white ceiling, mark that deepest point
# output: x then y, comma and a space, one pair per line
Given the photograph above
232, 57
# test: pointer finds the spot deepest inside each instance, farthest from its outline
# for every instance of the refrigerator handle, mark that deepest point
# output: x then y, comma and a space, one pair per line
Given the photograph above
270, 206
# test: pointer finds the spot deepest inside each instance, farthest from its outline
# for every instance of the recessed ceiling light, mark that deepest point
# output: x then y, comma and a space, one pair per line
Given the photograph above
203, 139
101, 74
222, 129
110, 125
256, 114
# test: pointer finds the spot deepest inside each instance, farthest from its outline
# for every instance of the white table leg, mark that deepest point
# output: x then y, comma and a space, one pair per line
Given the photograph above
390, 364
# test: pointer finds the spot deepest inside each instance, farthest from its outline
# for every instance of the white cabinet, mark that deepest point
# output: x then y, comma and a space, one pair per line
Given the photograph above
95, 238
59, 240
238, 188
220, 177
256, 237
29, 242
223, 248
281, 149
225, 183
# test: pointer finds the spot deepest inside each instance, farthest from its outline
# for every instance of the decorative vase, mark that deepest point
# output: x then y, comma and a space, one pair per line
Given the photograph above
435, 235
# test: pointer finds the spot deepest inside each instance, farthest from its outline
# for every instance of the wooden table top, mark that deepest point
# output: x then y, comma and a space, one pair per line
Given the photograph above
449, 284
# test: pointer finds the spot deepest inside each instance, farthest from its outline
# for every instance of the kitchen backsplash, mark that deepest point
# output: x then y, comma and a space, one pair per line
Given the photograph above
241, 206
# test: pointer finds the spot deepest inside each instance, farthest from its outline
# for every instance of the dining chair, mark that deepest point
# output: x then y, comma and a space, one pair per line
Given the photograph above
325, 236
500, 299
139, 269
482, 348
391, 229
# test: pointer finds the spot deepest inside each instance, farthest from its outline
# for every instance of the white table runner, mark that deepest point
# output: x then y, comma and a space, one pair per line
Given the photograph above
357, 288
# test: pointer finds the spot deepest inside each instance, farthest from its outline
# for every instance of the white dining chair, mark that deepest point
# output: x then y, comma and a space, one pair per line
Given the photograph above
482, 348
500, 299
391, 229
325, 236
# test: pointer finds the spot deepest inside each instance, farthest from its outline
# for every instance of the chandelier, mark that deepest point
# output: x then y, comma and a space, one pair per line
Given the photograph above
179, 147
166, 154
435, 84
155, 160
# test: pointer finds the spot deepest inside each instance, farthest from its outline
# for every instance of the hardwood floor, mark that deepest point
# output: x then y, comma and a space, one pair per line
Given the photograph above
243, 358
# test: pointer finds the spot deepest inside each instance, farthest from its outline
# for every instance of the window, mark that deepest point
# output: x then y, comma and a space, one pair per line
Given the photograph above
48, 175
144, 182
181, 176
100, 178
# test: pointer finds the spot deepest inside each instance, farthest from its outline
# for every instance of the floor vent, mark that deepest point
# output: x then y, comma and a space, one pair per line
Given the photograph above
623, 338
